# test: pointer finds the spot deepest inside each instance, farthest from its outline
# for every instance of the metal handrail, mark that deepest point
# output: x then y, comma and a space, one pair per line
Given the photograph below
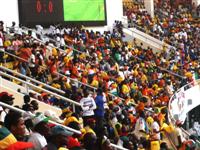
150, 39
32, 115
118, 147
60, 74
161, 68
31, 79
42, 89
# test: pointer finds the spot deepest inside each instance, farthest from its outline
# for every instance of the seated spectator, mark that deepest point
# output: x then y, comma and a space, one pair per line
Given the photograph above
9, 142
89, 141
35, 104
26, 103
7, 98
59, 138
15, 123
41, 132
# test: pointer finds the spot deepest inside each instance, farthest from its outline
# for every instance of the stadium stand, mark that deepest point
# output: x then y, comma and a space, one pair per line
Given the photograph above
70, 88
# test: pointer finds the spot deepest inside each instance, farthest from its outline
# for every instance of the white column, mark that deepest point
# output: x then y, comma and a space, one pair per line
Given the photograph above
149, 6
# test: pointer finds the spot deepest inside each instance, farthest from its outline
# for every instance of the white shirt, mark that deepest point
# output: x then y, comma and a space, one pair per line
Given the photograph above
155, 128
32, 60
38, 141
88, 106
139, 126
177, 133
2, 114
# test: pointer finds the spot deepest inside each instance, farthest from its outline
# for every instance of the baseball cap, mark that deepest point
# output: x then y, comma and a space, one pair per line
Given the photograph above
39, 118
59, 130
6, 97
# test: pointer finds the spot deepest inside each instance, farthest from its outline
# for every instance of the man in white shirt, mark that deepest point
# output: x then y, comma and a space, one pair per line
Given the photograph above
140, 126
88, 106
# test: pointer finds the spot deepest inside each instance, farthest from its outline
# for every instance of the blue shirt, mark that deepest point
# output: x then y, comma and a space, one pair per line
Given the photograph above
100, 106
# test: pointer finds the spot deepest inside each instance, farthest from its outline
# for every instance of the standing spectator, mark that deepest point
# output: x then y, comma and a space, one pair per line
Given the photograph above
88, 106
99, 112
178, 137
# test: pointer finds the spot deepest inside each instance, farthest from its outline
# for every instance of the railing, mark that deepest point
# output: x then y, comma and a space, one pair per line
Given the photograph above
151, 36
74, 80
32, 115
63, 76
39, 88
12, 88
33, 80
148, 39
60, 74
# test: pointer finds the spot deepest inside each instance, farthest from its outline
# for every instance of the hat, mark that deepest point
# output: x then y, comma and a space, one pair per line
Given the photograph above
44, 94
59, 130
39, 118
9, 142
73, 143
6, 96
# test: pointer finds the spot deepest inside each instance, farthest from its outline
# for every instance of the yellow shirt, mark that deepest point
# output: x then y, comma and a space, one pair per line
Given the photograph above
155, 145
125, 89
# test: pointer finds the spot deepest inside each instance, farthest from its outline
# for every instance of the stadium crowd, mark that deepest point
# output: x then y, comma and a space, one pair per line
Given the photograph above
131, 73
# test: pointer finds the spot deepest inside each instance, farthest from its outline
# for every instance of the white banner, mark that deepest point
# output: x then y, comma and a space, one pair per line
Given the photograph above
186, 98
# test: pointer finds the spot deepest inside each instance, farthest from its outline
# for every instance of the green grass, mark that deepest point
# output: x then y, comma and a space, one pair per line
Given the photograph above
84, 10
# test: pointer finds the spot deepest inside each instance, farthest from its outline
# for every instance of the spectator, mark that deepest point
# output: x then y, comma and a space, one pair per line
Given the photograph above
7, 98
59, 138
99, 112
26, 105
9, 142
41, 132
88, 106
15, 123
89, 141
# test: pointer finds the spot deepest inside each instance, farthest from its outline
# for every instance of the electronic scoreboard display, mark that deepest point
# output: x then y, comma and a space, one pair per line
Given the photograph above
75, 12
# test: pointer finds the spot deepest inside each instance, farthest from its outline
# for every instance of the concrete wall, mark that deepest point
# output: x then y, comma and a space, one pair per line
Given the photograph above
11, 88
9, 11
149, 6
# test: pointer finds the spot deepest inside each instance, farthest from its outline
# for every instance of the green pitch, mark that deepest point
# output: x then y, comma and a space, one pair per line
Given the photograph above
84, 10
